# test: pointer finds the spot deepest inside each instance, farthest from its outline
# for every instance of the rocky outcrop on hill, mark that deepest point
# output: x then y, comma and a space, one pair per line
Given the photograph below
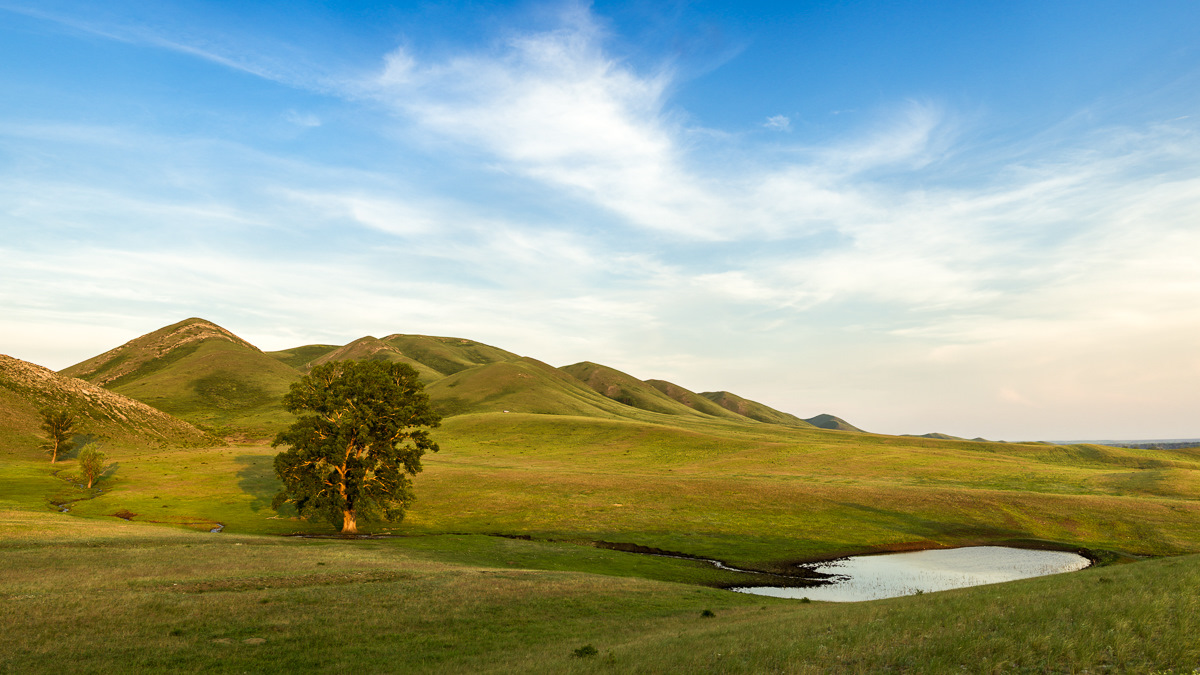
28, 387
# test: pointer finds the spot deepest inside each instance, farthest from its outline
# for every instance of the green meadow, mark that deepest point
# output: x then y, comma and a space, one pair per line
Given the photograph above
92, 592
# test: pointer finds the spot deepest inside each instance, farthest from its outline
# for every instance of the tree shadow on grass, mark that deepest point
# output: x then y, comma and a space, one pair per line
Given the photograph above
257, 479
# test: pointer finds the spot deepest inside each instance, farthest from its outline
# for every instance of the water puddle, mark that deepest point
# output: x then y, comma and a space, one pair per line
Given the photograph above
874, 577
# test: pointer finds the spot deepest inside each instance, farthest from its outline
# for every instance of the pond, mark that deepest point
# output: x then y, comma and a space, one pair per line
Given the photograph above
873, 577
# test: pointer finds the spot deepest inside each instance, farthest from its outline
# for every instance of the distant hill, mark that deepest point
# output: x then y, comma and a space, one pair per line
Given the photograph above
523, 385
26, 388
205, 374
753, 409
373, 349
826, 421
945, 437
199, 372
694, 401
624, 388
300, 357
447, 355
432, 357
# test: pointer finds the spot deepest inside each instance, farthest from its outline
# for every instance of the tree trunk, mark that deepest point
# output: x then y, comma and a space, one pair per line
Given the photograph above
349, 525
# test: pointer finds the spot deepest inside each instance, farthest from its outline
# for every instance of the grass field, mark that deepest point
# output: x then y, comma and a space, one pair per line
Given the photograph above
110, 596
94, 593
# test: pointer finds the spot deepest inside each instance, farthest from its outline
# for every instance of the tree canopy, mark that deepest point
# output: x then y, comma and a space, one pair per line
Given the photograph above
361, 432
58, 423
91, 464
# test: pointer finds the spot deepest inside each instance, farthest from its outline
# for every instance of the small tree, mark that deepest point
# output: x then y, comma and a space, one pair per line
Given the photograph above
58, 424
359, 437
91, 464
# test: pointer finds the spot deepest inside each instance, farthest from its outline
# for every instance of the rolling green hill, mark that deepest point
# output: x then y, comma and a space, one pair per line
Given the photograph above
300, 357
523, 385
373, 349
626, 389
199, 372
694, 401
447, 355
827, 421
753, 409
207, 375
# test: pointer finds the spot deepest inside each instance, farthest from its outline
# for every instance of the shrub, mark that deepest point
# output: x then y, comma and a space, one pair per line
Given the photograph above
586, 651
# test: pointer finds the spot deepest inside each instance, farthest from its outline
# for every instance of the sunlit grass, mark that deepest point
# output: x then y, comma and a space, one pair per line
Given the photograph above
91, 592
155, 600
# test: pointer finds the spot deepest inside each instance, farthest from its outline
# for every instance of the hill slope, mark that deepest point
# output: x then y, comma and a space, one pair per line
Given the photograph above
753, 409
447, 355
26, 388
373, 349
827, 421
695, 401
200, 372
524, 385
626, 389
300, 357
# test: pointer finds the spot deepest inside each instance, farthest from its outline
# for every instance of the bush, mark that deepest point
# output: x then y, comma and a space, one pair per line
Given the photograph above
586, 651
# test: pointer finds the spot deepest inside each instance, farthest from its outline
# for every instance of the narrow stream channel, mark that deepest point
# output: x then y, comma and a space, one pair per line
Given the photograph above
873, 577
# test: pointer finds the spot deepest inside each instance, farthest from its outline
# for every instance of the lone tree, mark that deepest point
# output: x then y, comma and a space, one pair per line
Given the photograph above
360, 435
58, 424
91, 464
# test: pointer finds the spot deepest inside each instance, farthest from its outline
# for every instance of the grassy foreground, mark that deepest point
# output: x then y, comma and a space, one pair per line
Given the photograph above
119, 597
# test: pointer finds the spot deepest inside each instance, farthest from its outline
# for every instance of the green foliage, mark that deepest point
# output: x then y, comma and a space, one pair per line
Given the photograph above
358, 439
58, 424
585, 651
91, 464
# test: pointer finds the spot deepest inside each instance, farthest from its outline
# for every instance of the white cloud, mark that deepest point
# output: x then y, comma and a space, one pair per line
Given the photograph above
778, 123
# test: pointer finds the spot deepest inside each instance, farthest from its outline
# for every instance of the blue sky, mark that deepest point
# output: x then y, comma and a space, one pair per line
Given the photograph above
981, 219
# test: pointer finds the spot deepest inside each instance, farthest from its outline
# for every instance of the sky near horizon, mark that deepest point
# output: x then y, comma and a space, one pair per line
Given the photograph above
980, 219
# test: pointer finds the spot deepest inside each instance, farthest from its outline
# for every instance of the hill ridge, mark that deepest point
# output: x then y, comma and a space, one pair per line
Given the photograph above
114, 364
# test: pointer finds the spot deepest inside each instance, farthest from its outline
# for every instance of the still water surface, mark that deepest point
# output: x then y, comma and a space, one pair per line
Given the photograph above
872, 577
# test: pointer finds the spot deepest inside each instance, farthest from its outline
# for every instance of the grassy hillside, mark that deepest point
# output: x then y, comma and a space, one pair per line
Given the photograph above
753, 409
694, 401
210, 377
827, 421
447, 355
521, 386
626, 389
201, 373
300, 357
373, 349
102, 415
766, 494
